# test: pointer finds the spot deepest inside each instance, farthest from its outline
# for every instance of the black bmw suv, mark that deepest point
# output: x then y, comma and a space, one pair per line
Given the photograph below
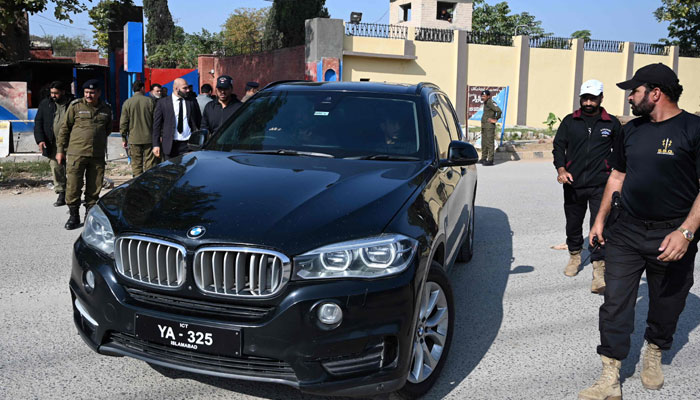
307, 242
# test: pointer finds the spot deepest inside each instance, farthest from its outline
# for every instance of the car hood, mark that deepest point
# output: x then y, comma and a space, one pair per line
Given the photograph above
288, 203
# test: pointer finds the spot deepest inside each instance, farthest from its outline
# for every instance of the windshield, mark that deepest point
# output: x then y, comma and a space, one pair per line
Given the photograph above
337, 124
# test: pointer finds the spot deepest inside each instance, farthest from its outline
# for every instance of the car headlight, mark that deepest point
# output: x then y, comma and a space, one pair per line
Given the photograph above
98, 231
365, 258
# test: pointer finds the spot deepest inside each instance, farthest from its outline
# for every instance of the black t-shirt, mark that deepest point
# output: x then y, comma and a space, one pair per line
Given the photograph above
590, 121
662, 165
215, 115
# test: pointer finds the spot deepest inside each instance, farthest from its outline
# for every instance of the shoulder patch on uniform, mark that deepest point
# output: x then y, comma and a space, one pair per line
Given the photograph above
75, 101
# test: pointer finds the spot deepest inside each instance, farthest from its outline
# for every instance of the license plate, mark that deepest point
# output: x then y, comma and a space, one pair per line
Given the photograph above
188, 336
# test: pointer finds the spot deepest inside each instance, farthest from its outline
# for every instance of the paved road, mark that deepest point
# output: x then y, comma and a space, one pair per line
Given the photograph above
524, 330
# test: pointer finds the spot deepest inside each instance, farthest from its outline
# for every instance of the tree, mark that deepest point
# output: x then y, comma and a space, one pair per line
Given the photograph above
245, 26
184, 48
497, 19
160, 28
63, 46
584, 34
108, 18
288, 18
684, 16
14, 27
13, 10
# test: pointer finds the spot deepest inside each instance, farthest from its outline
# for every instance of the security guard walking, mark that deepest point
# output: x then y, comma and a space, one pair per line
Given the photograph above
83, 136
135, 125
491, 115
657, 157
219, 110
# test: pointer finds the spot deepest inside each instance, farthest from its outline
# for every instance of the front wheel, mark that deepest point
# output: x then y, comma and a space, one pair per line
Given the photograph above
432, 334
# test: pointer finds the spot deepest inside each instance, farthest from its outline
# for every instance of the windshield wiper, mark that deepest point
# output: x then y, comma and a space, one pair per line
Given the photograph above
389, 157
289, 152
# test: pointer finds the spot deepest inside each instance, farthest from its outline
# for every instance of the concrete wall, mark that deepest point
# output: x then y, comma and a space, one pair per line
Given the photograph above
424, 14
541, 80
275, 65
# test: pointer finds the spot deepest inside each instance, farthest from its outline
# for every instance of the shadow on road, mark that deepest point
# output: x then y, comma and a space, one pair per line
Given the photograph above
688, 321
479, 287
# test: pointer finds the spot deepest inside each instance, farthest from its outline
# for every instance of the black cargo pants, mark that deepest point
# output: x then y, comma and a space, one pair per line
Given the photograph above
576, 201
632, 248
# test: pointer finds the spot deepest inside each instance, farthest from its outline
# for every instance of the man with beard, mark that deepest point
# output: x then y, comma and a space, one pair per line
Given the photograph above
226, 103
174, 120
48, 120
581, 149
155, 91
657, 157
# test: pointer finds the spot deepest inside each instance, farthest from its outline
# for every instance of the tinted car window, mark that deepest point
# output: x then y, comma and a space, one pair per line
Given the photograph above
439, 120
340, 124
455, 130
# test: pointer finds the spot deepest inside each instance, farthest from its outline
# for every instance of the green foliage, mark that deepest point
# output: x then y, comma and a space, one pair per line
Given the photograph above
684, 16
13, 10
498, 19
551, 120
182, 50
160, 27
10, 171
287, 19
245, 26
109, 16
64, 46
584, 34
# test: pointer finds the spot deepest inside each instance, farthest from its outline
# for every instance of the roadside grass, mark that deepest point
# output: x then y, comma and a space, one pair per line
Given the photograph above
10, 171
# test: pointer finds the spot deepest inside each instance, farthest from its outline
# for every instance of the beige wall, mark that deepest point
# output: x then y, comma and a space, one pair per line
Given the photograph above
541, 80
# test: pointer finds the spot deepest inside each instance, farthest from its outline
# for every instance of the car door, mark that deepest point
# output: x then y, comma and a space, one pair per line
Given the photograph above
465, 178
447, 177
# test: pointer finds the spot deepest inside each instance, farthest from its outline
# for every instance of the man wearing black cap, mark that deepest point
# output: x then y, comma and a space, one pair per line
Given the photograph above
226, 103
657, 157
83, 136
490, 116
250, 89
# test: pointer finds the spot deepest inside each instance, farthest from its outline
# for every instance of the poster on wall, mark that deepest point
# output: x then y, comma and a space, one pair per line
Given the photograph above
475, 106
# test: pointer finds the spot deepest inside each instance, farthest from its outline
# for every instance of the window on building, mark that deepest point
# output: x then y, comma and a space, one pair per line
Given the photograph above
406, 12
445, 10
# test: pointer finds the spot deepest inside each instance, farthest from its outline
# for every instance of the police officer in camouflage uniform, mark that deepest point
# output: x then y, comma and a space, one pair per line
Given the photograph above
83, 136
489, 118
135, 125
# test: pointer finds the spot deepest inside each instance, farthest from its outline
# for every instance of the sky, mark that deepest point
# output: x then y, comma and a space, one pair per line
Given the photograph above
626, 20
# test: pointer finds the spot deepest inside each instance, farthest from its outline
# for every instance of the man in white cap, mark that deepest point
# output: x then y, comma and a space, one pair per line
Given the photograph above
582, 146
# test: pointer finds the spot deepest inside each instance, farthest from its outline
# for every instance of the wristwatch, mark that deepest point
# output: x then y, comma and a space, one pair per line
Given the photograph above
688, 235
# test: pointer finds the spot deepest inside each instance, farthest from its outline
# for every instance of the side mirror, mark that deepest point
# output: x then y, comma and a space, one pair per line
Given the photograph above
460, 154
196, 140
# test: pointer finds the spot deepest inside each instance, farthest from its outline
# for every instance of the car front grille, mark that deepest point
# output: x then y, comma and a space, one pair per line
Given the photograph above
246, 365
199, 308
240, 271
150, 261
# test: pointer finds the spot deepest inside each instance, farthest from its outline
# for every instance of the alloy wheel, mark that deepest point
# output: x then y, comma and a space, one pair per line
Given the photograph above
431, 333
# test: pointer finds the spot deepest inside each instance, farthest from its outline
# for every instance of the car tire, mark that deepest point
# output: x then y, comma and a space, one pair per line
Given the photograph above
466, 251
432, 334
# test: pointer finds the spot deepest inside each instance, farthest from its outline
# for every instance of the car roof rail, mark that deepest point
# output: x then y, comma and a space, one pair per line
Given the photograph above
275, 83
425, 84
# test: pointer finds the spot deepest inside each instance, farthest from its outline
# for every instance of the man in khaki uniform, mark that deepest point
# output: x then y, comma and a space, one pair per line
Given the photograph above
488, 127
84, 135
135, 126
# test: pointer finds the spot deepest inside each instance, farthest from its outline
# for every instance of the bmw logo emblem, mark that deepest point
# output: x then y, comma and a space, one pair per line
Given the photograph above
196, 231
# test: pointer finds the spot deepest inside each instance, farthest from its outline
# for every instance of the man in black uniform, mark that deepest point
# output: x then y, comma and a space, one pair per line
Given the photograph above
657, 157
226, 103
581, 149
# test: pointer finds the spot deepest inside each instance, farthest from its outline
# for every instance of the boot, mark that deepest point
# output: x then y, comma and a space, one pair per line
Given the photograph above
74, 219
652, 375
598, 284
61, 200
607, 387
574, 262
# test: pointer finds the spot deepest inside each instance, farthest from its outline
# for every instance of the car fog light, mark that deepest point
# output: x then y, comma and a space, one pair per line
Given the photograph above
330, 314
89, 280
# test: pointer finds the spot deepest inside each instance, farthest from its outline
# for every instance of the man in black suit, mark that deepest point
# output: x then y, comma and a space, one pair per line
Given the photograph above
174, 120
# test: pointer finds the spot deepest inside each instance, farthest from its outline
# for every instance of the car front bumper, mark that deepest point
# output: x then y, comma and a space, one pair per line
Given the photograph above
367, 354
